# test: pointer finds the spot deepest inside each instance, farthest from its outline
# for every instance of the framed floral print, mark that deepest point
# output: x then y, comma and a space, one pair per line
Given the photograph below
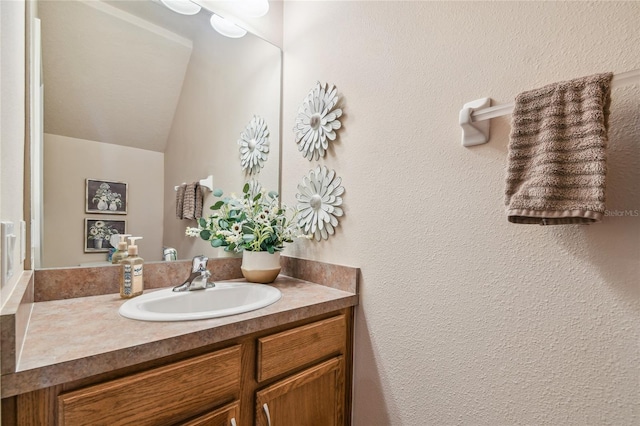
106, 197
97, 233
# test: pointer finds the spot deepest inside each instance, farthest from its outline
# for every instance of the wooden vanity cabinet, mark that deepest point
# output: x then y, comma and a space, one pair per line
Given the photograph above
225, 416
314, 396
300, 374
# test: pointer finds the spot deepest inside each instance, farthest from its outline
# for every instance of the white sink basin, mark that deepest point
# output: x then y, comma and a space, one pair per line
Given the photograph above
222, 300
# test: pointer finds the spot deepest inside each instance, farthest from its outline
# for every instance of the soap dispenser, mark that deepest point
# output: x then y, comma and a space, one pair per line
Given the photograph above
131, 283
121, 251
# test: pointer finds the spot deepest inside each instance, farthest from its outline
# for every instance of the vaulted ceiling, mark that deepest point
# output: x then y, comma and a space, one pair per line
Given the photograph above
110, 76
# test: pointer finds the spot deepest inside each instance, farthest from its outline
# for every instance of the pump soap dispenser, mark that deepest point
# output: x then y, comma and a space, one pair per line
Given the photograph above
131, 283
121, 251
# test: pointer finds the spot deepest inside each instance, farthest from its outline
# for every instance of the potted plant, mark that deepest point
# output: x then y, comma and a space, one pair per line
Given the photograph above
256, 225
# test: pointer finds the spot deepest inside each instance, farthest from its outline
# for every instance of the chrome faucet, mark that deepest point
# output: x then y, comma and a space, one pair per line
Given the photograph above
199, 278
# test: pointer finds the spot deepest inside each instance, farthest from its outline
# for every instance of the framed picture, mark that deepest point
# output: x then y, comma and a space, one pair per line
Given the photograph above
97, 233
106, 197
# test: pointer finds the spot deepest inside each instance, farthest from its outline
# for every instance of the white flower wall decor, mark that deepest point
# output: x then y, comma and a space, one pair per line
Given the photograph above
317, 121
255, 187
319, 202
254, 145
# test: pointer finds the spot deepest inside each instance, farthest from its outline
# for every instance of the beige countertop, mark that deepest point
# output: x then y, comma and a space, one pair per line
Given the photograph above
75, 338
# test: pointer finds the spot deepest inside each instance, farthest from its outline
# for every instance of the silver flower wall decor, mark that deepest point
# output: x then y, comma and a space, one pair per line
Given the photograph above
317, 121
254, 145
319, 200
255, 188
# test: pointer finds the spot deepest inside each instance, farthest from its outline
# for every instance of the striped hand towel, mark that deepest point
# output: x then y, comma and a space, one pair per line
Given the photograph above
189, 204
193, 200
180, 200
557, 162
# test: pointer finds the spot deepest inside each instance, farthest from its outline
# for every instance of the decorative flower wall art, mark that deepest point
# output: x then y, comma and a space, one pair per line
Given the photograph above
317, 121
319, 200
254, 145
255, 187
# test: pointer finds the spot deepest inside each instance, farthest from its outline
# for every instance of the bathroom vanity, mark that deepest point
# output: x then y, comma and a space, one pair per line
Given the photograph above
286, 364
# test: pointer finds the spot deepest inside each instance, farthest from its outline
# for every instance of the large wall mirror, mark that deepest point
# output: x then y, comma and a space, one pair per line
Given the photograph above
135, 93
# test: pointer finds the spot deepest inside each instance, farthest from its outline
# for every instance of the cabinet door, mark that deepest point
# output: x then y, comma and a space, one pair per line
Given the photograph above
313, 397
225, 416
161, 396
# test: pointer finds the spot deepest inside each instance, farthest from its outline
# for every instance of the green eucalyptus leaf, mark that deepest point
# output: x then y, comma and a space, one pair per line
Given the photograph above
245, 188
205, 234
273, 194
217, 192
216, 243
248, 237
202, 222
217, 205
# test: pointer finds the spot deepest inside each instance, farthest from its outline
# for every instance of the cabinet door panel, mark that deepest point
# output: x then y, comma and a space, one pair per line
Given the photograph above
283, 352
161, 396
225, 416
313, 397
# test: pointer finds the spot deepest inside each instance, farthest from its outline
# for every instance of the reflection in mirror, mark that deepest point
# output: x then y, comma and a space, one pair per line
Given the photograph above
135, 93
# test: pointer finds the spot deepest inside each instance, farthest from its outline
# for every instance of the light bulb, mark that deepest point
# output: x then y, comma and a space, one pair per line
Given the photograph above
183, 7
226, 28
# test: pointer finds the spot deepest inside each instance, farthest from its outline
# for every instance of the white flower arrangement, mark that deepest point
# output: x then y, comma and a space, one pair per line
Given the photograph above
255, 222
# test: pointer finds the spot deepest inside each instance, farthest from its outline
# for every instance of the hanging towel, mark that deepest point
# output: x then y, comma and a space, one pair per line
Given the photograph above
180, 200
556, 162
199, 200
189, 204
193, 201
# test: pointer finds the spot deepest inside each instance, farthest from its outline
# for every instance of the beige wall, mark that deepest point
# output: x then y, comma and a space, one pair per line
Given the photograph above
217, 102
68, 163
12, 122
465, 318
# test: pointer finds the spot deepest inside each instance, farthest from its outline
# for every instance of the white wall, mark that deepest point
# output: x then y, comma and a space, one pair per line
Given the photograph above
68, 162
12, 122
465, 318
218, 100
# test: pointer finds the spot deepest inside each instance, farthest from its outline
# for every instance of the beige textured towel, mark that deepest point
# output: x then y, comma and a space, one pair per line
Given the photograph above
557, 162
199, 200
189, 205
180, 200
193, 200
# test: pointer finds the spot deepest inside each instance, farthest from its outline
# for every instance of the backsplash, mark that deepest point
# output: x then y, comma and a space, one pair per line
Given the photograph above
68, 283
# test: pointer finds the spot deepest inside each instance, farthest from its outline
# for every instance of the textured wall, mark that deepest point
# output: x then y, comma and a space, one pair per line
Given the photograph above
465, 318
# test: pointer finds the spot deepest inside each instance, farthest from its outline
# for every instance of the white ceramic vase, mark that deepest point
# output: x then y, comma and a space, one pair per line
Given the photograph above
260, 266
102, 205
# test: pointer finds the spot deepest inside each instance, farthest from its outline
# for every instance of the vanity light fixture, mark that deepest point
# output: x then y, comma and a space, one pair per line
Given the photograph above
183, 7
226, 27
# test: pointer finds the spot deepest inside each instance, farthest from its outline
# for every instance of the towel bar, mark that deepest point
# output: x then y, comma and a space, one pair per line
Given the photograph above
206, 182
474, 116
